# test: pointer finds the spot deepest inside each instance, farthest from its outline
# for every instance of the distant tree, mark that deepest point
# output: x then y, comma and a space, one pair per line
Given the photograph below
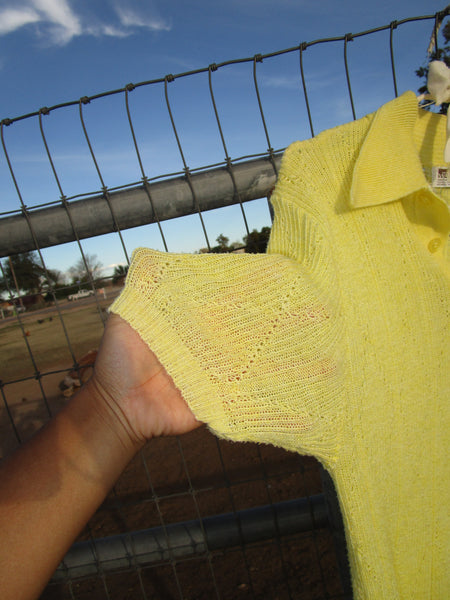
222, 242
81, 272
222, 247
120, 272
54, 279
24, 271
256, 241
442, 54
54, 285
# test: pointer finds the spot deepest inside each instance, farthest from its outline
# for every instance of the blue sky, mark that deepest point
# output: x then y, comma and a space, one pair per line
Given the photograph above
55, 51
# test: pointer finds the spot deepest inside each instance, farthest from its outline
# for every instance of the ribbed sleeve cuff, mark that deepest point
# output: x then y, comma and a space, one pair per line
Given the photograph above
156, 327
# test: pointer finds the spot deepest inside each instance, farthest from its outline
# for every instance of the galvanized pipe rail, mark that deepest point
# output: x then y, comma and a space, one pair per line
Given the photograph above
171, 198
182, 540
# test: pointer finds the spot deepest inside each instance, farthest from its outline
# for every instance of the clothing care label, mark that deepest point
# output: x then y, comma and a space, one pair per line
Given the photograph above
440, 177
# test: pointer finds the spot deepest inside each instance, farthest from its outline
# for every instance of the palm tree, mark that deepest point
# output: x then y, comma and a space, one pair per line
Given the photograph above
120, 272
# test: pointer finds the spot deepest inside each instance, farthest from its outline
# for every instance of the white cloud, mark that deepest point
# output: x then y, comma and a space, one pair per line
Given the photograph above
280, 81
57, 22
129, 17
107, 30
60, 13
14, 18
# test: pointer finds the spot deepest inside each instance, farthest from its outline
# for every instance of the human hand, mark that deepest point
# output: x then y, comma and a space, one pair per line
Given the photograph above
133, 387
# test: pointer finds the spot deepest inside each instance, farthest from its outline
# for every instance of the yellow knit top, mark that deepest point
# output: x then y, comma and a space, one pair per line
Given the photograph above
335, 343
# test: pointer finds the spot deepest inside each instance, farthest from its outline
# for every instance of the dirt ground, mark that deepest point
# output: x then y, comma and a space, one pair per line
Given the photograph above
225, 477
180, 479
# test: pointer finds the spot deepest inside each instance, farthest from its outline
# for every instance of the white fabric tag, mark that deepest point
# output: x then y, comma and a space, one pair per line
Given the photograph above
440, 177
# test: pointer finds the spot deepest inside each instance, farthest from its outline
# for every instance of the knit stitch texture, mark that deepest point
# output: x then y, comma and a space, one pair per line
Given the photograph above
336, 342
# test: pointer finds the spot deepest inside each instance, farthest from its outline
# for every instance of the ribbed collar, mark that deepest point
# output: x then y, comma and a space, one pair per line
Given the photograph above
388, 167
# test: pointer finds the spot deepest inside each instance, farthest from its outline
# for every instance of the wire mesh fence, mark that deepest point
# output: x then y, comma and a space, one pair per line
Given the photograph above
172, 163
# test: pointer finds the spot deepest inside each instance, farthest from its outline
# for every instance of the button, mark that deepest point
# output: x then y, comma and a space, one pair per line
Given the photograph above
434, 245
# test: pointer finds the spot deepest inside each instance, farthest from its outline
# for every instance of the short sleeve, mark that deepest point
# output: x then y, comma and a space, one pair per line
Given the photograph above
250, 341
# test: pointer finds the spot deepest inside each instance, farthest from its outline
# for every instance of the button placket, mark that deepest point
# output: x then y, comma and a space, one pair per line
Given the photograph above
430, 200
